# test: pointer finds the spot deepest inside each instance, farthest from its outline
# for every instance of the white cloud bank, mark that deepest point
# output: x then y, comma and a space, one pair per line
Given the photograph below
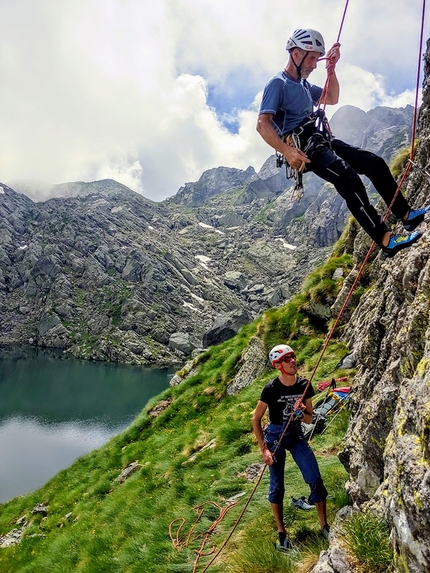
122, 88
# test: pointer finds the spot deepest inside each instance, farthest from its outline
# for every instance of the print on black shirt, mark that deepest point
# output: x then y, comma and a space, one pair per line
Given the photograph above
280, 399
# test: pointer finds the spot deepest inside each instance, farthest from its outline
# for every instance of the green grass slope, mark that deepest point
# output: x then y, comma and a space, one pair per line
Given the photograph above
192, 459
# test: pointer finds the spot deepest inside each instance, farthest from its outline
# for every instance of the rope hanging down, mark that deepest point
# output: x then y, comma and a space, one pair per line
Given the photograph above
289, 421
357, 278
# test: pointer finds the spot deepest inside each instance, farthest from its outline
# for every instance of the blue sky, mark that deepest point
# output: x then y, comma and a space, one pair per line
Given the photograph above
154, 93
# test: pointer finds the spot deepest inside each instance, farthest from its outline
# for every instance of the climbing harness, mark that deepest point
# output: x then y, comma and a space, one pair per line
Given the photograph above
314, 132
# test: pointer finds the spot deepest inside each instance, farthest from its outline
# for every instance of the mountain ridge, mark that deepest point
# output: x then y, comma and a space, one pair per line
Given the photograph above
106, 274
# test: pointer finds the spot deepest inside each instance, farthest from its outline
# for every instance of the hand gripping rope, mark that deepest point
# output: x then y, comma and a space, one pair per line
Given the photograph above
330, 65
348, 297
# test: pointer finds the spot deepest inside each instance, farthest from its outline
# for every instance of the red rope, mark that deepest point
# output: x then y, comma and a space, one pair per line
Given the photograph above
330, 65
178, 544
417, 86
238, 520
414, 121
342, 22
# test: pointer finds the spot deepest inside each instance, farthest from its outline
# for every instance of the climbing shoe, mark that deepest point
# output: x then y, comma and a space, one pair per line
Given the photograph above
285, 546
325, 531
399, 242
302, 503
415, 217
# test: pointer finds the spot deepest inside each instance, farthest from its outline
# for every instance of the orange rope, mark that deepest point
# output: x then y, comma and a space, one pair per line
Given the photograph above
175, 538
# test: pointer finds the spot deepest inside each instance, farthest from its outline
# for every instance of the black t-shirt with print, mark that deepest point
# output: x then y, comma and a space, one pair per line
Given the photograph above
281, 399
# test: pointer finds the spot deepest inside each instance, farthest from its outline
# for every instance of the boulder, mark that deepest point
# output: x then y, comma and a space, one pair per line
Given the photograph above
336, 559
159, 408
41, 509
128, 471
181, 342
47, 322
226, 326
235, 280
253, 364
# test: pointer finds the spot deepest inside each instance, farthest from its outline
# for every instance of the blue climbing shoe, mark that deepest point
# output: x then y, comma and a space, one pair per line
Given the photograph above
399, 242
415, 218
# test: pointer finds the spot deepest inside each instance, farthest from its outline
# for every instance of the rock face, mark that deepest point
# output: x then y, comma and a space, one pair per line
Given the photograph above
212, 182
381, 130
253, 364
225, 327
387, 449
105, 274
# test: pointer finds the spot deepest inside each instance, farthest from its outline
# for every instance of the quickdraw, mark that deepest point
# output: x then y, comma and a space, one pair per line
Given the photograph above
316, 133
293, 140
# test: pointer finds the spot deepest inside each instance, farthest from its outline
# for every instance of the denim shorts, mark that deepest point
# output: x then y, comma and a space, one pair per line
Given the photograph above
304, 457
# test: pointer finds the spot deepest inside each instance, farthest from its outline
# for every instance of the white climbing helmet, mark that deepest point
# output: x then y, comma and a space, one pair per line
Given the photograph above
306, 39
278, 352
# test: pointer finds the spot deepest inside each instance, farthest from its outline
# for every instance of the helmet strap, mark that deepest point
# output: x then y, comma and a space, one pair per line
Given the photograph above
299, 66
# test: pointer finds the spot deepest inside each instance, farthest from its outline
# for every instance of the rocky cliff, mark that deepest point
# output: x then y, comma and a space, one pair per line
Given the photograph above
387, 449
109, 275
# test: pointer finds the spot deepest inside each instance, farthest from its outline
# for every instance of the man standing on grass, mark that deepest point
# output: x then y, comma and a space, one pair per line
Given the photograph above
283, 396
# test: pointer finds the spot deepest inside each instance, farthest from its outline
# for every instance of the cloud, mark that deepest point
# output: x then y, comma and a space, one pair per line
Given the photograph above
120, 169
144, 92
366, 90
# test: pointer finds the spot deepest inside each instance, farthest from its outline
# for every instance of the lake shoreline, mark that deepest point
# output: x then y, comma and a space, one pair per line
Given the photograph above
55, 408
16, 350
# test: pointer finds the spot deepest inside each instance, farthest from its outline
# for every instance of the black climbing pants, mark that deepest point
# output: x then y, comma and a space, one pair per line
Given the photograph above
342, 166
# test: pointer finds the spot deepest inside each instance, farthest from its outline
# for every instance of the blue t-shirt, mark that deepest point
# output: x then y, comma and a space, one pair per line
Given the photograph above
289, 101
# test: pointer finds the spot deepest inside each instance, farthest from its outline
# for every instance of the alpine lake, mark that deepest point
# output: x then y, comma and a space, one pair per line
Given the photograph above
55, 409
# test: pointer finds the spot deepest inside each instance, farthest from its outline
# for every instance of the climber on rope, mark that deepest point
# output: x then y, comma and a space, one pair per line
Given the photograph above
288, 398
288, 123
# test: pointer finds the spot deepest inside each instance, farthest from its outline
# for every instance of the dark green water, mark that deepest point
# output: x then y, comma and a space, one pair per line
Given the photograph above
54, 410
